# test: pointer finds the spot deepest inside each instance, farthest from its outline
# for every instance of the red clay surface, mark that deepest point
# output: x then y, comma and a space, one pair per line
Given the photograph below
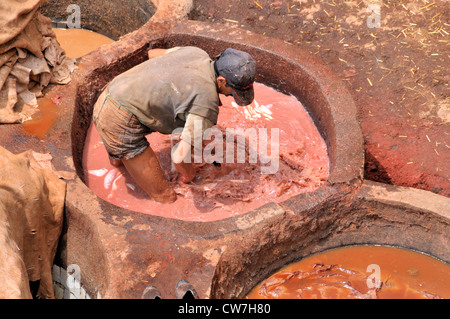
397, 73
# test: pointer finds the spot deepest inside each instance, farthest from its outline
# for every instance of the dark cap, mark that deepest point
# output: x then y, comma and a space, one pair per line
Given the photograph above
239, 69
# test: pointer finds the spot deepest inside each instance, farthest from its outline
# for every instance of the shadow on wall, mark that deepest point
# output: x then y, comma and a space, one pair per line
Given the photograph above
374, 171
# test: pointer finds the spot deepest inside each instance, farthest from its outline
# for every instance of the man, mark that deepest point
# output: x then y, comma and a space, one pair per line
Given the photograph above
174, 88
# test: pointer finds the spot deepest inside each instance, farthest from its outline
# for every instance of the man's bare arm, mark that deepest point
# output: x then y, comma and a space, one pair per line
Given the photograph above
181, 156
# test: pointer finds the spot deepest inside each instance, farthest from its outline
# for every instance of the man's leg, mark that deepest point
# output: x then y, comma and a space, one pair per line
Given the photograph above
115, 162
147, 173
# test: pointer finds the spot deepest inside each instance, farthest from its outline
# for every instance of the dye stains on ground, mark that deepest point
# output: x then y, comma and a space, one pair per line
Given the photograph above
76, 43
42, 120
79, 42
344, 273
225, 188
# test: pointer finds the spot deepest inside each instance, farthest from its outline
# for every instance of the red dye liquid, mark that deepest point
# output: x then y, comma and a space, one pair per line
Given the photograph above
359, 272
231, 188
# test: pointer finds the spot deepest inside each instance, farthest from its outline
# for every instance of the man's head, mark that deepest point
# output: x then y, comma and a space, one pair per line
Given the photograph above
238, 69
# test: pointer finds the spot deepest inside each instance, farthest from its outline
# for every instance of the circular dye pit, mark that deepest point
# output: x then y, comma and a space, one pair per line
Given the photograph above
359, 272
265, 152
113, 18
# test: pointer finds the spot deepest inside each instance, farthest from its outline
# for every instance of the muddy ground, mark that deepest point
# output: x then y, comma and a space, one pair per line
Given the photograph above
397, 72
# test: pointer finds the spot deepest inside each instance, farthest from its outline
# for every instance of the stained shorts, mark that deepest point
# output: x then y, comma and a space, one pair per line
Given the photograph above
121, 132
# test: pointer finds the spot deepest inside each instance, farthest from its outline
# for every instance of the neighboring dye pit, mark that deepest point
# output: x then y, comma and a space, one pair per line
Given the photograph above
113, 18
359, 272
294, 161
79, 42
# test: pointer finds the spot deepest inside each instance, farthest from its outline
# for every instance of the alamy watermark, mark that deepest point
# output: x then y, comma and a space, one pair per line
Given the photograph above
73, 20
374, 19
374, 279
73, 280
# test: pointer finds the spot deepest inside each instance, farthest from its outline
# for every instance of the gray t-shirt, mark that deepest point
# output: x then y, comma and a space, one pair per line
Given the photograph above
179, 82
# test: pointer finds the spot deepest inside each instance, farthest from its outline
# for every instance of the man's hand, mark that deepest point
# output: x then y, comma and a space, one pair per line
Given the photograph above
181, 153
187, 171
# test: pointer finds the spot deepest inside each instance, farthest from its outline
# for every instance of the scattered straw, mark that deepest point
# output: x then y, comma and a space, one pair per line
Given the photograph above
258, 5
427, 6
229, 20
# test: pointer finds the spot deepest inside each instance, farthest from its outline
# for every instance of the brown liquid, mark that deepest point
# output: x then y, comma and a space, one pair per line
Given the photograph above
42, 120
79, 42
233, 188
342, 273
